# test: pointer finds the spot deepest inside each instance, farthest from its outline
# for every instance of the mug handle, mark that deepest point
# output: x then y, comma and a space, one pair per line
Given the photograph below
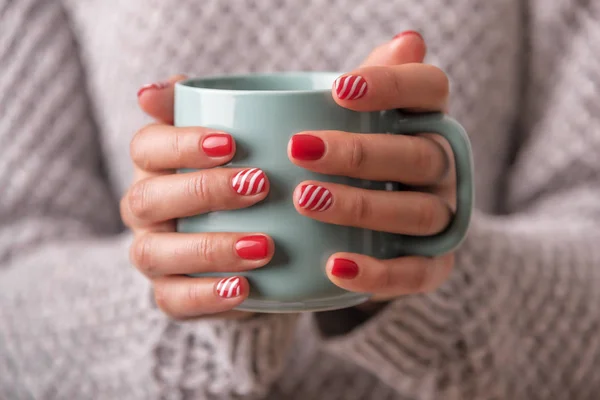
399, 122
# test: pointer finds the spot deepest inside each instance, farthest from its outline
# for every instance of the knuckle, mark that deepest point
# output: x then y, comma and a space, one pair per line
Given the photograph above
204, 249
421, 278
179, 303
361, 208
357, 153
194, 296
423, 158
395, 81
124, 211
398, 88
137, 149
442, 86
141, 254
198, 187
382, 280
163, 300
177, 147
428, 215
139, 200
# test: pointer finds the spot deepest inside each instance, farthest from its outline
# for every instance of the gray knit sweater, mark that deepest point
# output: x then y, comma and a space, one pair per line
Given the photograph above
518, 319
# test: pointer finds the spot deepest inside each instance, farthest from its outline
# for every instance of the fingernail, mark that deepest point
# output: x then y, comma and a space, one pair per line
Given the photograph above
344, 269
407, 33
217, 145
249, 181
307, 147
253, 247
350, 87
153, 86
229, 287
315, 198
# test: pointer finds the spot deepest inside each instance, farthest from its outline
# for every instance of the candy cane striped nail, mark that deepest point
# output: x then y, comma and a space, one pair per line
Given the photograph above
350, 87
154, 86
249, 181
229, 287
315, 198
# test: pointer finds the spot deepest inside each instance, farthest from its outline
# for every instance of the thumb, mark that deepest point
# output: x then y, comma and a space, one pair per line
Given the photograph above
156, 99
406, 47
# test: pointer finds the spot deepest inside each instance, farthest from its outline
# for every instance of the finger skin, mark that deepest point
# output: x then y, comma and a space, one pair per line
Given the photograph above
172, 196
183, 297
412, 86
157, 98
409, 213
411, 160
160, 147
179, 297
407, 47
387, 279
160, 254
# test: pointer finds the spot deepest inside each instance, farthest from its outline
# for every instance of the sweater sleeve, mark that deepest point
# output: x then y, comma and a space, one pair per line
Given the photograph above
520, 315
76, 320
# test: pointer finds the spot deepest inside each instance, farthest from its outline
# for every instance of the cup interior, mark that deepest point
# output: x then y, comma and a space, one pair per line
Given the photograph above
274, 82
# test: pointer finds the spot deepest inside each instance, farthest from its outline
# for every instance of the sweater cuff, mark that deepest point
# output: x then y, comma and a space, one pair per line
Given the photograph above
407, 341
227, 358
404, 342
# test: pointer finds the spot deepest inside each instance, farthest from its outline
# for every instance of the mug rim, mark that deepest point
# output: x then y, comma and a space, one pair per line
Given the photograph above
192, 83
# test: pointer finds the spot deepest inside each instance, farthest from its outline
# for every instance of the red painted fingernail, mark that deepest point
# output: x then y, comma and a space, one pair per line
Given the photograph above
315, 198
153, 86
407, 33
229, 287
307, 147
217, 145
344, 269
253, 247
249, 181
350, 87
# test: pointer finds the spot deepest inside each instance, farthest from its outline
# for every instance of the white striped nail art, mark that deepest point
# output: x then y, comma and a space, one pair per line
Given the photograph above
315, 198
229, 287
350, 87
249, 181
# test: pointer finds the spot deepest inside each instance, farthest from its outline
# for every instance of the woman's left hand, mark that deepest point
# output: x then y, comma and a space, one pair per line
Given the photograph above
392, 77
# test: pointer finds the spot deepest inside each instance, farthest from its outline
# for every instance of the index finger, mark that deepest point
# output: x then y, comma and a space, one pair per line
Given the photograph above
406, 47
412, 86
156, 99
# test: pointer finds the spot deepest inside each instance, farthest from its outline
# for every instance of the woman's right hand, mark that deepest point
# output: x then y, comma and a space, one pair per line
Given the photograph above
158, 196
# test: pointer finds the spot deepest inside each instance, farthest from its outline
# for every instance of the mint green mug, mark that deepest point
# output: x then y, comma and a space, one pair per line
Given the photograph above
262, 112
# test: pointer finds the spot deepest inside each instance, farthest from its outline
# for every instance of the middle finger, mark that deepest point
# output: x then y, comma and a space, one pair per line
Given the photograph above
413, 160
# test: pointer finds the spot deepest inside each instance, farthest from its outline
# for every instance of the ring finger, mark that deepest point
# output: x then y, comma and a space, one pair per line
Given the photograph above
409, 213
158, 254
413, 160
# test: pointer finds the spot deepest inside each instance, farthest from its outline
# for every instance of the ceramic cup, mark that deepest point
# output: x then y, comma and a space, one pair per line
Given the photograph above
262, 112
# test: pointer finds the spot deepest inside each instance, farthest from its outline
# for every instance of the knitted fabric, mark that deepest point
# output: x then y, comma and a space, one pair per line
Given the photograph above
518, 318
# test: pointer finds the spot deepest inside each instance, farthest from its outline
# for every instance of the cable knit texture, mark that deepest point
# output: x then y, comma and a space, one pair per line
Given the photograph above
518, 319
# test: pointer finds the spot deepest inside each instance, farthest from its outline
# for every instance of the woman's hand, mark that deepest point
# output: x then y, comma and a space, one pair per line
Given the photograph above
423, 162
158, 196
